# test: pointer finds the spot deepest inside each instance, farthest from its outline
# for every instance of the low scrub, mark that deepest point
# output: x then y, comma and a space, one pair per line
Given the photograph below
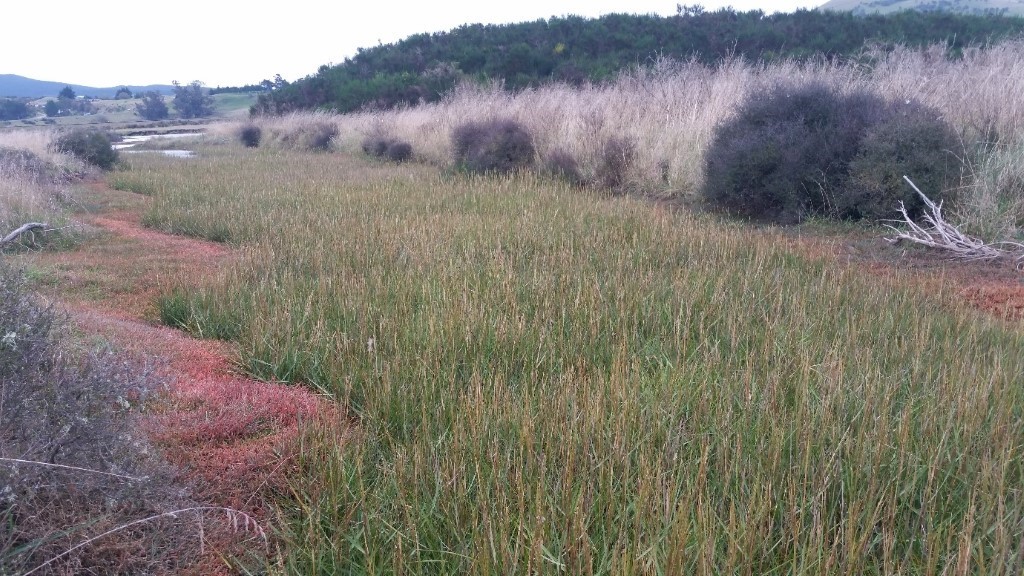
250, 135
28, 165
617, 157
90, 146
318, 137
496, 145
390, 148
34, 188
314, 132
71, 465
804, 150
563, 165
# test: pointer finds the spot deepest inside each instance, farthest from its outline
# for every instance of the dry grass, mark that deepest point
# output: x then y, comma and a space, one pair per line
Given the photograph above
35, 185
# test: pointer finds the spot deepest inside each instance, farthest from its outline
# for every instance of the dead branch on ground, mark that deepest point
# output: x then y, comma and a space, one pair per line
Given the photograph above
938, 233
21, 230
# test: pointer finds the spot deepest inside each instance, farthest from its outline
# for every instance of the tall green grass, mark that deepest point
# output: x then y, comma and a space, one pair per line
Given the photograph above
546, 381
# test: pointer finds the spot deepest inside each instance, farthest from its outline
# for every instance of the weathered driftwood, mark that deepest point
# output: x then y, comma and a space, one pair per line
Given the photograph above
938, 233
21, 230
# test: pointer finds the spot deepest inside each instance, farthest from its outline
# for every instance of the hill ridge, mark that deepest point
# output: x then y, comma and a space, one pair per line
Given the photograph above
17, 86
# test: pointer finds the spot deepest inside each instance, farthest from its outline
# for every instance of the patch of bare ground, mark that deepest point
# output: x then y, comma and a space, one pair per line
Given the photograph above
232, 439
995, 287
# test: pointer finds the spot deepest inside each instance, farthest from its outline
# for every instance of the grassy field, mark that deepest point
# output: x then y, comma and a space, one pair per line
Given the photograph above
552, 381
537, 378
118, 115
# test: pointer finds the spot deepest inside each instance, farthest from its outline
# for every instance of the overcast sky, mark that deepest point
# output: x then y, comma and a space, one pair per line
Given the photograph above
104, 43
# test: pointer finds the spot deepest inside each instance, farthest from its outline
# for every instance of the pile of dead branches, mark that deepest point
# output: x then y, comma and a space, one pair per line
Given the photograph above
937, 233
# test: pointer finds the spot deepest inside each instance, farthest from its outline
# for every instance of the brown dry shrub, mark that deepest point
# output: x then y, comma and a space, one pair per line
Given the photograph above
60, 406
499, 145
618, 155
562, 164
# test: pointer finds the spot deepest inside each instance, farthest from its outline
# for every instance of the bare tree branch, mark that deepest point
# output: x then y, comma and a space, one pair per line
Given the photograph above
21, 230
938, 233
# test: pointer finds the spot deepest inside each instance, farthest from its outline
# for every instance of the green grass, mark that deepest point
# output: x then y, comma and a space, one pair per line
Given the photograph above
548, 381
233, 105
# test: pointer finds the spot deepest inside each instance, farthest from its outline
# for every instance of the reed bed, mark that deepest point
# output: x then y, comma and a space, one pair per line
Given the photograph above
553, 381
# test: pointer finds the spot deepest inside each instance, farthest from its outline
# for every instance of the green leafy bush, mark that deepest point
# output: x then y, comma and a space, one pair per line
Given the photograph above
496, 145
802, 150
90, 146
914, 140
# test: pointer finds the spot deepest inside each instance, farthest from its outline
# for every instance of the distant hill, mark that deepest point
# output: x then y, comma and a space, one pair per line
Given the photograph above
977, 7
12, 85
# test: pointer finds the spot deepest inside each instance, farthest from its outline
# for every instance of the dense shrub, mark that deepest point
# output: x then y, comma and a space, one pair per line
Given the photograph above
318, 136
152, 106
805, 150
562, 164
914, 141
398, 151
90, 146
375, 145
497, 145
250, 135
617, 156
380, 146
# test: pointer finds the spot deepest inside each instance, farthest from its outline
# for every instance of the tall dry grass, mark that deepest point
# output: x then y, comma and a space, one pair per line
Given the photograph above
35, 182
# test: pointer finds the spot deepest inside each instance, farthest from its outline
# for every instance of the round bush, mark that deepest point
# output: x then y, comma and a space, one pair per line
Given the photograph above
563, 164
398, 151
915, 141
318, 136
90, 146
375, 146
250, 135
498, 145
802, 150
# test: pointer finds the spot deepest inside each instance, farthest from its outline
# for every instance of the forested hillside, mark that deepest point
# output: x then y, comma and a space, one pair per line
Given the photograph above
576, 50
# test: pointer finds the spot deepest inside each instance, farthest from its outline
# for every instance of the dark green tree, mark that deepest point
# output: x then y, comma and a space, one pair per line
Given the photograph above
192, 101
66, 93
14, 109
51, 108
152, 106
123, 93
